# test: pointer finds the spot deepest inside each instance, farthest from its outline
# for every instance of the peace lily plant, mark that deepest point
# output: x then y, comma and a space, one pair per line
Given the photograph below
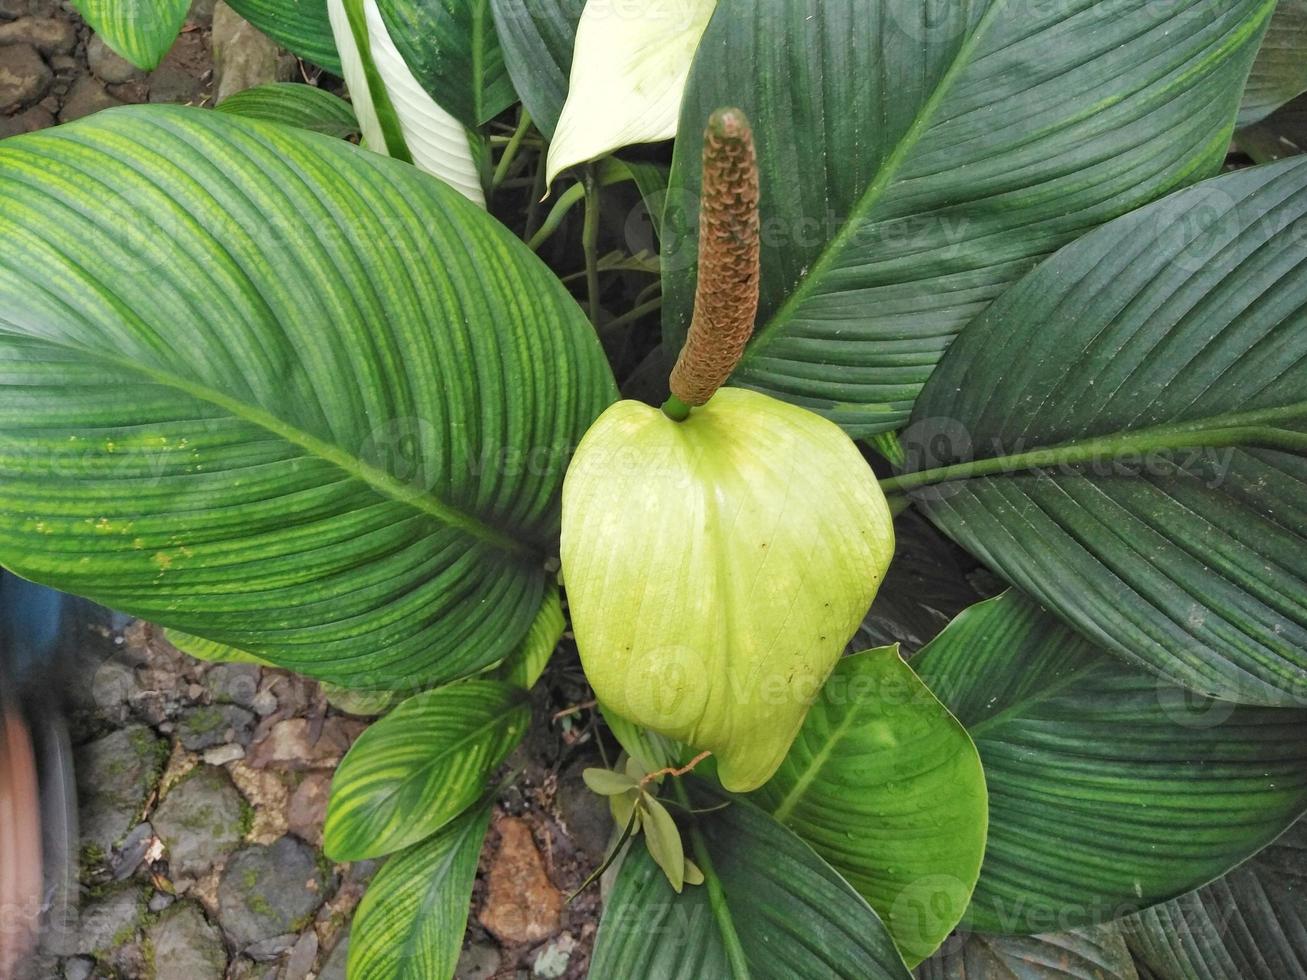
338, 409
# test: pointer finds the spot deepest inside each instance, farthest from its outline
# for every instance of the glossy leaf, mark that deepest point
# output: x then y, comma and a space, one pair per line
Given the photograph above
918, 158
292, 104
420, 766
1109, 790
305, 468
1280, 71
629, 67
1166, 356
302, 27
141, 31
524, 665
537, 37
410, 923
451, 48
395, 112
782, 916
886, 785
1250, 923
1097, 953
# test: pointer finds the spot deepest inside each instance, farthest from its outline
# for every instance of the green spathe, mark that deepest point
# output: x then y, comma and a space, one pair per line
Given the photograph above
716, 568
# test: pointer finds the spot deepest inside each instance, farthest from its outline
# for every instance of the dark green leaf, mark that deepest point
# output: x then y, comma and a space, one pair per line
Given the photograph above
918, 157
300, 26
292, 104
420, 766
1280, 71
537, 38
769, 904
410, 923
1250, 924
886, 785
1109, 789
1081, 954
1164, 357
452, 50
141, 31
270, 389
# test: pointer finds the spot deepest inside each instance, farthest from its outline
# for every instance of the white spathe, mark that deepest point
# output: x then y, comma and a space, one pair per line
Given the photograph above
437, 141
629, 69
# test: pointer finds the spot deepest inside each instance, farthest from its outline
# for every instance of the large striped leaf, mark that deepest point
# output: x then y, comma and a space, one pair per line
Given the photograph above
537, 37
1109, 790
918, 157
1097, 953
300, 26
886, 785
141, 31
421, 766
1280, 71
410, 923
1251, 924
451, 48
770, 908
273, 390
1165, 357
292, 104
396, 114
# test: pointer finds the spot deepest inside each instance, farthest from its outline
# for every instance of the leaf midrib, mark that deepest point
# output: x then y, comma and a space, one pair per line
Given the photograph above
378, 479
878, 187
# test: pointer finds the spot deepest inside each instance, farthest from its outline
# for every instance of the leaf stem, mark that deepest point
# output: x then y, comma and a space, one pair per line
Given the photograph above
590, 243
566, 201
1255, 428
632, 315
716, 896
510, 151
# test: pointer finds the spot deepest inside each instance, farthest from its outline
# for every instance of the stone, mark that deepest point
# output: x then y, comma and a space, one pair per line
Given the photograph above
132, 93
478, 961
289, 744
243, 56
201, 13
186, 946
128, 855
269, 796
552, 961
181, 75
107, 922
87, 95
522, 905
201, 821
308, 807
214, 724
79, 968
49, 35
220, 755
12, 9
585, 814
234, 683
160, 901
268, 950
265, 703
24, 77
27, 121
334, 968
108, 65
302, 957
115, 774
271, 890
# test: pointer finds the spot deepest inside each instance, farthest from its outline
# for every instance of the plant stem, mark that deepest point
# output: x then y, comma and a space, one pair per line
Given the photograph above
716, 896
1254, 428
590, 243
565, 202
510, 151
632, 315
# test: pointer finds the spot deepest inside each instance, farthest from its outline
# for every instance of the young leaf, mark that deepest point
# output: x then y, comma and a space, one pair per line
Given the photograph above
628, 73
1280, 71
141, 31
918, 158
605, 782
769, 908
1250, 923
887, 786
293, 104
300, 26
538, 38
1130, 419
420, 766
451, 48
410, 923
306, 470
1109, 790
664, 843
1097, 953
397, 115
